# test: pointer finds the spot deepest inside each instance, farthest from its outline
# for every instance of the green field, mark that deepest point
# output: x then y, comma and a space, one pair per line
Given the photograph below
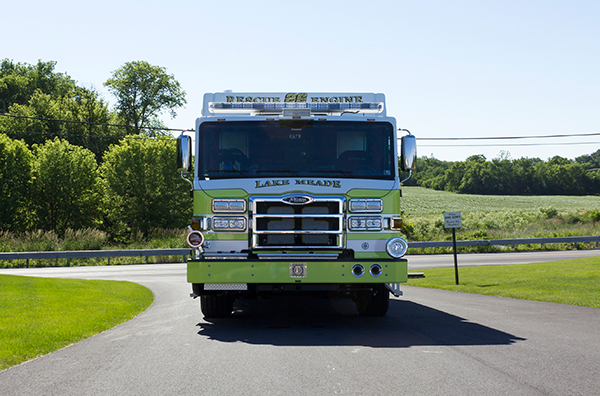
41, 315
574, 282
424, 202
498, 217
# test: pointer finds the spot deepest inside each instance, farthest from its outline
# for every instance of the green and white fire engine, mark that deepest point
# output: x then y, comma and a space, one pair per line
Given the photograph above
296, 193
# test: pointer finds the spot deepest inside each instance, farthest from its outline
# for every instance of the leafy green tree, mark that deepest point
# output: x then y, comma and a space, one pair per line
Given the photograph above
38, 91
19, 81
591, 161
143, 93
15, 174
142, 187
65, 187
93, 130
88, 112
453, 176
430, 173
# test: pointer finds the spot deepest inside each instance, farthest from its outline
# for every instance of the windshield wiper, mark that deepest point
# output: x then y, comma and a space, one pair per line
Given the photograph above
342, 172
289, 172
239, 172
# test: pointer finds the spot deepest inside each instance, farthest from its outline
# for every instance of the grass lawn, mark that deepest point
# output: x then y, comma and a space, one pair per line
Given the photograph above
574, 282
41, 315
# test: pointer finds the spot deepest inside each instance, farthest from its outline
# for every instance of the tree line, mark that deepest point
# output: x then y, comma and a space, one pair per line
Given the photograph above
60, 186
69, 161
506, 176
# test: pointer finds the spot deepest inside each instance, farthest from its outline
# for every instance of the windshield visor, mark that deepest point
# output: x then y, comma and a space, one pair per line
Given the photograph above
341, 149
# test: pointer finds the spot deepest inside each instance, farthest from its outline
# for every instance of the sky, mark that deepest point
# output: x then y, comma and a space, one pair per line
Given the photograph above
449, 69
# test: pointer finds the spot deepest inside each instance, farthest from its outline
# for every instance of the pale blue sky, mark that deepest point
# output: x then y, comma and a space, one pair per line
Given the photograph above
448, 68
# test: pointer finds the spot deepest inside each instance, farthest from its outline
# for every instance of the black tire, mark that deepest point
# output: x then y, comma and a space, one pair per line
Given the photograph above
216, 306
373, 303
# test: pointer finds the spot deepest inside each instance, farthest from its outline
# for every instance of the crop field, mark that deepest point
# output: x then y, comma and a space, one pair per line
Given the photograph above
498, 217
424, 202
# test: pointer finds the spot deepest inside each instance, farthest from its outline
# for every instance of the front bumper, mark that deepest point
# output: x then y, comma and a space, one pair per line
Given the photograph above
281, 271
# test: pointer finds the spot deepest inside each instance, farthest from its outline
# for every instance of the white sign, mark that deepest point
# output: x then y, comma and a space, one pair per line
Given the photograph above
452, 220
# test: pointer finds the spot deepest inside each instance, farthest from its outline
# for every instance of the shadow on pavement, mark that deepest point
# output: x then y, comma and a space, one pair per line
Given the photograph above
318, 322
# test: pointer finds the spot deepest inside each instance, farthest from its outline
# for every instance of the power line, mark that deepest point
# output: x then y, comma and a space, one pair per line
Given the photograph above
59, 134
511, 137
507, 145
92, 123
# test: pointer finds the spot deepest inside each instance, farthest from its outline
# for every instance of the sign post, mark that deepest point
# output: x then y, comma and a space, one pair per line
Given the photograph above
453, 220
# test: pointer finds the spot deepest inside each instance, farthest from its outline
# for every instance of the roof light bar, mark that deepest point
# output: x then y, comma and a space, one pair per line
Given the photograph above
280, 107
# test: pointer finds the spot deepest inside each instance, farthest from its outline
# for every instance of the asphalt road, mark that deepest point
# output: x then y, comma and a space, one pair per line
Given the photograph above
432, 342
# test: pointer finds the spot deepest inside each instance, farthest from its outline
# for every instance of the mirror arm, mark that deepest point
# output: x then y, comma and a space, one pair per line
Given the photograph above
409, 175
189, 181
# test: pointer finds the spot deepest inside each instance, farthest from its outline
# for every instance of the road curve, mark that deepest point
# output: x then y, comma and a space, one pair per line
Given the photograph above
432, 342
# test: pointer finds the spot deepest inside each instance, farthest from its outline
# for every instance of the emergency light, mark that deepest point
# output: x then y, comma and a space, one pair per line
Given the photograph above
281, 107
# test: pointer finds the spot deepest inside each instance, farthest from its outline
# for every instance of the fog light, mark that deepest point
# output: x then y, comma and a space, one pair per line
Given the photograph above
365, 223
396, 247
195, 239
229, 223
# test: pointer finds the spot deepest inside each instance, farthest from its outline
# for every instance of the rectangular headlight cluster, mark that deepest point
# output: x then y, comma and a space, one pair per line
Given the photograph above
229, 205
229, 223
365, 223
366, 205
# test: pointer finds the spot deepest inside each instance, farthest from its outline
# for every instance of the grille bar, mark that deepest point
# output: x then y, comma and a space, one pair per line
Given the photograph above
318, 223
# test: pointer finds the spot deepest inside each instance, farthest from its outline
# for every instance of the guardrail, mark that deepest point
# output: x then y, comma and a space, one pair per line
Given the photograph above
186, 251
94, 254
514, 241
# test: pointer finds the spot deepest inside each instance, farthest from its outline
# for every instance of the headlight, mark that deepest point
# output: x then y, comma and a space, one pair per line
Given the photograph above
229, 205
365, 223
366, 205
396, 247
229, 223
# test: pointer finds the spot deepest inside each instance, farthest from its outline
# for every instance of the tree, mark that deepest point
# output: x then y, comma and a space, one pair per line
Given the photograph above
142, 187
143, 92
15, 173
65, 187
37, 91
19, 81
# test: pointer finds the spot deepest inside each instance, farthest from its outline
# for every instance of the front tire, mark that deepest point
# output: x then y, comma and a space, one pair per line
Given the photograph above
375, 302
217, 305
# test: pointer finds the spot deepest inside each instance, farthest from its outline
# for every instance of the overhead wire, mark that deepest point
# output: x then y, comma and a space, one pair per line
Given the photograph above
512, 137
508, 138
419, 138
94, 123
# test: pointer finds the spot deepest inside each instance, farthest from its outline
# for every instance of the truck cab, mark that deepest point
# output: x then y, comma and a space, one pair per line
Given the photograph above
295, 193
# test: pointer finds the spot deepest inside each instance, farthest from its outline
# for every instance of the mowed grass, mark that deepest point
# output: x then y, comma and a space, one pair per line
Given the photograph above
574, 282
424, 202
41, 315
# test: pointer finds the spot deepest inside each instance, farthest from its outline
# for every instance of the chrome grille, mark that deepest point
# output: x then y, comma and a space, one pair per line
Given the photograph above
316, 224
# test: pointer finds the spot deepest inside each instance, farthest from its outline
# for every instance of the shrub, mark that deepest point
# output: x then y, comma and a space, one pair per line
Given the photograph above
548, 212
86, 239
594, 215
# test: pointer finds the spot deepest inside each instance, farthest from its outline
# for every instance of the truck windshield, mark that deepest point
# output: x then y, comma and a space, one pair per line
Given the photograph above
341, 149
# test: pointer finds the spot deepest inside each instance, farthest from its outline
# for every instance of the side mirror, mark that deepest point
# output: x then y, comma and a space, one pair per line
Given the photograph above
184, 153
408, 153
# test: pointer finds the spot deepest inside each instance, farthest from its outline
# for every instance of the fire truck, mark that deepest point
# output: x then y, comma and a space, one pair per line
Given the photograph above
296, 193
